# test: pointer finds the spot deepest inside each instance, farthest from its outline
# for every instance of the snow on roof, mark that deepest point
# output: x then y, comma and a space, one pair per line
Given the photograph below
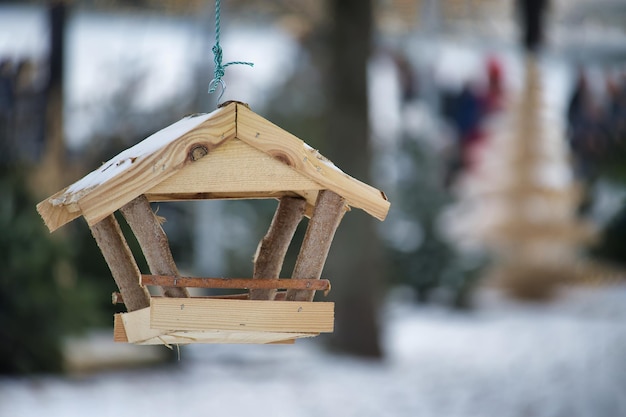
125, 159
117, 181
321, 157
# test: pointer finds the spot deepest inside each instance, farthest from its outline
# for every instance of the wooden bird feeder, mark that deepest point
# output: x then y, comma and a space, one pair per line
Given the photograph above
231, 153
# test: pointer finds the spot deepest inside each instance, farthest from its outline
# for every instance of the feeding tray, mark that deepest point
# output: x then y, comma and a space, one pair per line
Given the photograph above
231, 153
225, 319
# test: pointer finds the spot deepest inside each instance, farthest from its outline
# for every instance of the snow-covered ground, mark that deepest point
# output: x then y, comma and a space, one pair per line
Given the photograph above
567, 358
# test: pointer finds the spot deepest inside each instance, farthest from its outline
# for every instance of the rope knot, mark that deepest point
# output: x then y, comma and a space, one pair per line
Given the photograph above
220, 69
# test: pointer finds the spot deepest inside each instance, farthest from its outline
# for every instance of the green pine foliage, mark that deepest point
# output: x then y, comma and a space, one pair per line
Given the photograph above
610, 166
434, 263
41, 299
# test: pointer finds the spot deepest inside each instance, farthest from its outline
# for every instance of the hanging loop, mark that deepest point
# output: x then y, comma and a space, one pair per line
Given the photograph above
213, 86
220, 69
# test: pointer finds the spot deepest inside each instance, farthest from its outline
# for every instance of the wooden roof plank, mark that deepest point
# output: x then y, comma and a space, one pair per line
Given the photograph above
292, 151
140, 167
56, 215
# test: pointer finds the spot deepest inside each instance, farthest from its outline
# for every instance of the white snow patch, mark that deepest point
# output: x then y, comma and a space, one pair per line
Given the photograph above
504, 359
385, 115
318, 156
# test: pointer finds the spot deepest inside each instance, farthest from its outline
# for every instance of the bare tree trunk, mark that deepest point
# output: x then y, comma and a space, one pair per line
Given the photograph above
49, 176
532, 22
354, 263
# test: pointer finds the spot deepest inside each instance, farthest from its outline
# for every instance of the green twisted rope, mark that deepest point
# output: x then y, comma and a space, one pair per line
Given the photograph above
220, 69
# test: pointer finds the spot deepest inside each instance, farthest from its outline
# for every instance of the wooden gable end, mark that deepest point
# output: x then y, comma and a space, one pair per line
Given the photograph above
234, 170
292, 151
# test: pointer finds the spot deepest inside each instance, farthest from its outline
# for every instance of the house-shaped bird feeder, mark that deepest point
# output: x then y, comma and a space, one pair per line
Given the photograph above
231, 153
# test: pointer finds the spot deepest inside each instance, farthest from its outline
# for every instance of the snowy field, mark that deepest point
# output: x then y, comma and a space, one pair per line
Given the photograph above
504, 359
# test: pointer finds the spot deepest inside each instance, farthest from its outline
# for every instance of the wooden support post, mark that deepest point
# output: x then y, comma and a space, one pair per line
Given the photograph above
118, 256
327, 214
153, 242
272, 249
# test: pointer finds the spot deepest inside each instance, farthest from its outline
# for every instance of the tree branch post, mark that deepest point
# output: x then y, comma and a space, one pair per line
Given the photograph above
272, 249
153, 241
327, 214
121, 262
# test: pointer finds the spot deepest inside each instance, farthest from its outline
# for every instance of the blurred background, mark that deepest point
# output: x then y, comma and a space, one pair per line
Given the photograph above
496, 286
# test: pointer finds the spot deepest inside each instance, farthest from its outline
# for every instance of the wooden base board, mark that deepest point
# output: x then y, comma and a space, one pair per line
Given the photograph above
223, 321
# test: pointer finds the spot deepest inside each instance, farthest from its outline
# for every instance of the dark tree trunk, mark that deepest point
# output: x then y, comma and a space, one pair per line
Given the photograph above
532, 22
354, 264
50, 176
57, 12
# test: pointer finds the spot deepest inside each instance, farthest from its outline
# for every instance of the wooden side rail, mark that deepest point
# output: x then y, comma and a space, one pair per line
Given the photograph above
237, 283
116, 297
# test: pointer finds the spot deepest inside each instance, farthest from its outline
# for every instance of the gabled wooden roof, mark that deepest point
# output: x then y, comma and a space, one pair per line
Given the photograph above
229, 153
